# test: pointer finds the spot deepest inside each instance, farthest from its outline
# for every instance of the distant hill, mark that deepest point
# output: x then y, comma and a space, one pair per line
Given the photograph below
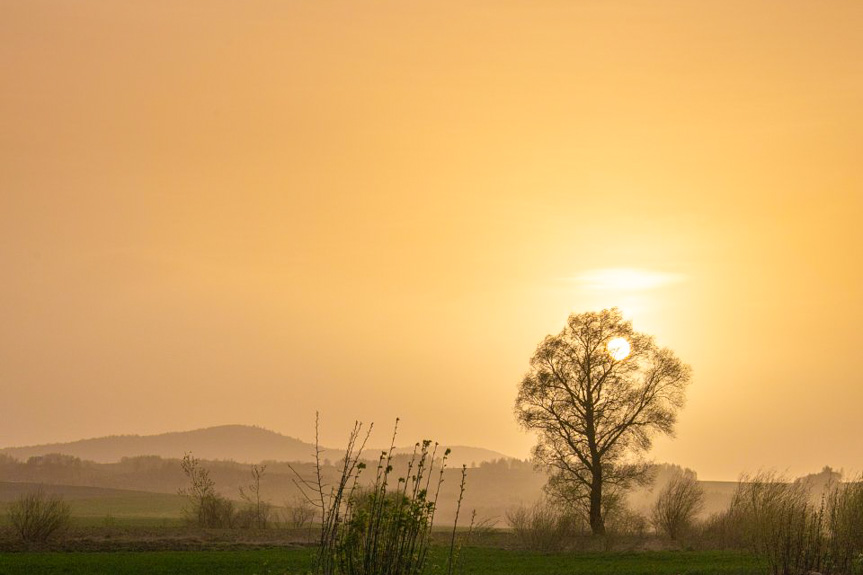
240, 443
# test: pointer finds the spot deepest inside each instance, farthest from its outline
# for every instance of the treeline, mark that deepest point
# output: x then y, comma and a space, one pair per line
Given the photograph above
493, 487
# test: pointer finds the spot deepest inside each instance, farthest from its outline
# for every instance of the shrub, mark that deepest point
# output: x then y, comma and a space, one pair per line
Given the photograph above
386, 529
300, 513
778, 520
381, 533
677, 505
542, 527
36, 517
844, 519
251, 517
775, 519
627, 523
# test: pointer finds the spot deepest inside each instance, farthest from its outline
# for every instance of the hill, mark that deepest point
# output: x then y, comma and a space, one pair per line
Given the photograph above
240, 443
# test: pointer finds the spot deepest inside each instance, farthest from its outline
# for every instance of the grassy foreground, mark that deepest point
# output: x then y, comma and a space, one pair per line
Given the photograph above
475, 561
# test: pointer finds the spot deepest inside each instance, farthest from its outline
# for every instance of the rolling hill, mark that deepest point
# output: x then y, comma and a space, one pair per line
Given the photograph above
240, 443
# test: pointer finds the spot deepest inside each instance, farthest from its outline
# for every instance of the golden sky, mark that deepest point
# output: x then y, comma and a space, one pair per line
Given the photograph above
240, 212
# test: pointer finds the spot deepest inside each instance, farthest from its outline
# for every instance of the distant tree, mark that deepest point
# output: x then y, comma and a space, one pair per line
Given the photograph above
207, 507
820, 482
259, 510
597, 393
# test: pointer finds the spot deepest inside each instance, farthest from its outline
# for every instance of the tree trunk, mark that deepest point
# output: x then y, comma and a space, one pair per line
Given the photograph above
597, 523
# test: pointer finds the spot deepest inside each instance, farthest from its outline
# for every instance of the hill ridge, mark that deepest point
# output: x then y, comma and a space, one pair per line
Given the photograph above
233, 442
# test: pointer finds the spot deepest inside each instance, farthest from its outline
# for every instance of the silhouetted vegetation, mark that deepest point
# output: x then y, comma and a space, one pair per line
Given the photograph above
257, 513
383, 530
795, 532
299, 513
844, 522
206, 507
37, 517
543, 526
679, 502
595, 408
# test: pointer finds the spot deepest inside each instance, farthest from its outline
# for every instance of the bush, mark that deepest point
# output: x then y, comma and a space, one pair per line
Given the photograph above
624, 522
677, 505
36, 517
386, 529
380, 534
542, 527
299, 514
844, 518
779, 521
218, 512
775, 519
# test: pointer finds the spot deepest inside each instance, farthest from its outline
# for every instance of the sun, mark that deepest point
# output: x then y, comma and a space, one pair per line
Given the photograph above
618, 348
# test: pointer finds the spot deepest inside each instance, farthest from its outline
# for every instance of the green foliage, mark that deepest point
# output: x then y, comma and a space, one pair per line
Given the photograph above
385, 533
384, 530
37, 517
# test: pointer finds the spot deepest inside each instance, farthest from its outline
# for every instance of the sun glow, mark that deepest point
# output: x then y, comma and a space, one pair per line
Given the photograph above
626, 279
618, 348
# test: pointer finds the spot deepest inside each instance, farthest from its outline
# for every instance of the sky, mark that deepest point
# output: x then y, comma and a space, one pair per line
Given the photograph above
222, 212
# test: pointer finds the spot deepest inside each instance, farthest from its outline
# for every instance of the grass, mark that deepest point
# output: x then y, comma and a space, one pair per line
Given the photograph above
265, 562
486, 561
94, 503
295, 561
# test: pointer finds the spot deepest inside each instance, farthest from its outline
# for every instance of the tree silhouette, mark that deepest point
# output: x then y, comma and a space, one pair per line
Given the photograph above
596, 410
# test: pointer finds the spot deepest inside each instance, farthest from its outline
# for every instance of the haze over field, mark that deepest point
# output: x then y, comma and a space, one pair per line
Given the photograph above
217, 211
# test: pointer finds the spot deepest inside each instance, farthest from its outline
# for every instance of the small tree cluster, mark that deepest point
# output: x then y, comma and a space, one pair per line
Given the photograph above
206, 507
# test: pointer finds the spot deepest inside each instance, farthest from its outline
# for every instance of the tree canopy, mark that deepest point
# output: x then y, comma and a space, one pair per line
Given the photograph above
596, 407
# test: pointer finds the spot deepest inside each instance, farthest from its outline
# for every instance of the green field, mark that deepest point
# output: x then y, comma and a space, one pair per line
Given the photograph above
97, 503
475, 561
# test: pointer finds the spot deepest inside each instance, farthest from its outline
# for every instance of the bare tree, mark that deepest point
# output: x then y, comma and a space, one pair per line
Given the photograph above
260, 509
206, 507
677, 505
299, 513
596, 393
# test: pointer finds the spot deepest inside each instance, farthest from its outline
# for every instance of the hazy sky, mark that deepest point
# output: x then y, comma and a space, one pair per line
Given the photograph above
240, 212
